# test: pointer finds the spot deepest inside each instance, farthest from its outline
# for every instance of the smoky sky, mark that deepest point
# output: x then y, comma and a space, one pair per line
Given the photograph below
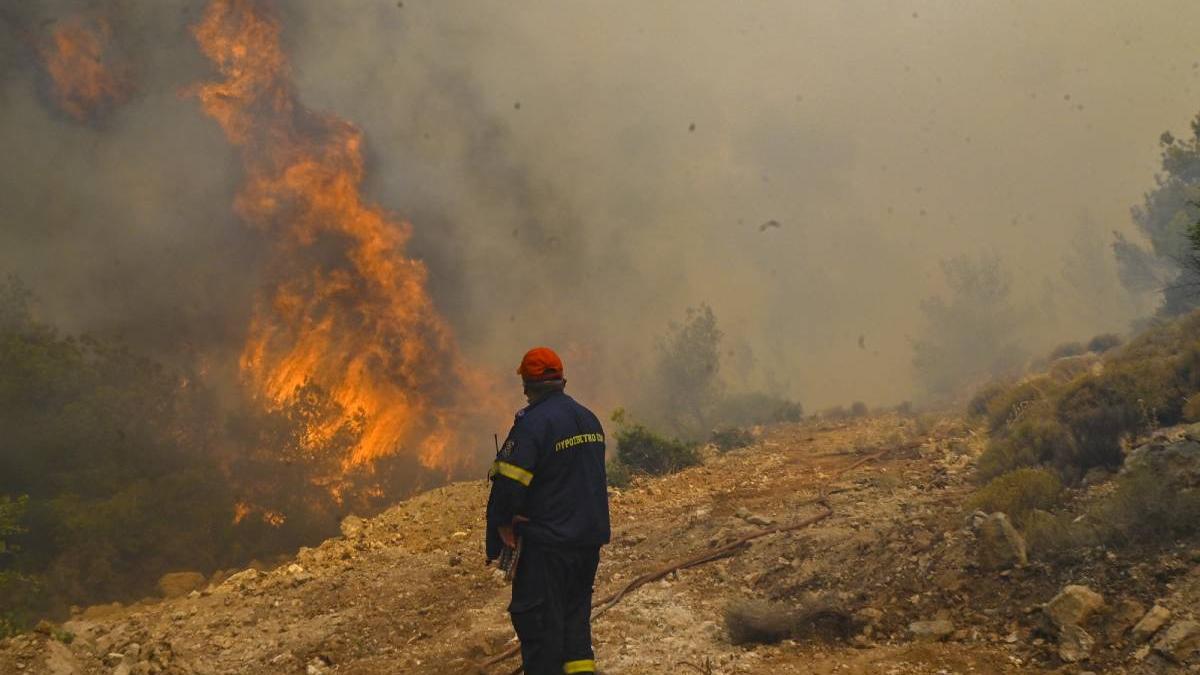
578, 174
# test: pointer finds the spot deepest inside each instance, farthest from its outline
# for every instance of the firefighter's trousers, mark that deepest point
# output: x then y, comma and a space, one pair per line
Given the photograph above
551, 608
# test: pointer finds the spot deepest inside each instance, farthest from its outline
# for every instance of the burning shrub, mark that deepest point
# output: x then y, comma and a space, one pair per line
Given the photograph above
859, 409
731, 438
132, 469
1017, 493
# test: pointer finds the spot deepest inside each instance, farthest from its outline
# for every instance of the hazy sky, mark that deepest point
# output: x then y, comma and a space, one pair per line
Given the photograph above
546, 155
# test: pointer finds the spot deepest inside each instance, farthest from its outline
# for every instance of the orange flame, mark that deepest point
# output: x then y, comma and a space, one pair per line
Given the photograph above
346, 308
86, 76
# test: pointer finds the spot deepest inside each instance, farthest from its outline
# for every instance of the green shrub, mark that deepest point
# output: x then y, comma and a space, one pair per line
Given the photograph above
1099, 412
1146, 508
1007, 407
1018, 492
1049, 535
749, 409
644, 451
16, 589
1035, 439
981, 402
687, 384
618, 474
1191, 408
731, 439
787, 410
835, 414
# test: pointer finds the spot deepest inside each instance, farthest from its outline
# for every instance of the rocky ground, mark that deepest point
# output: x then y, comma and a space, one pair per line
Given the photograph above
898, 580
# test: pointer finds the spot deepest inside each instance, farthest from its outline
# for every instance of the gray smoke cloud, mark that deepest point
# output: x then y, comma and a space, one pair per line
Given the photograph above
578, 174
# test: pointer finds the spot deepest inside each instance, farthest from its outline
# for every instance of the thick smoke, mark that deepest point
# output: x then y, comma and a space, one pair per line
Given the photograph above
578, 174
122, 223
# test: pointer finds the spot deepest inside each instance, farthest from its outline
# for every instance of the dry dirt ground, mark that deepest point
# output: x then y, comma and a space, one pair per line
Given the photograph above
407, 591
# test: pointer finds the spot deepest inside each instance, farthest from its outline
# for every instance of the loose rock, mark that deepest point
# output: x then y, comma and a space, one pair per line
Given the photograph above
351, 526
1072, 606
179, 584
1179, 642
1000, 546
1075, 644
939, 629
1150, 624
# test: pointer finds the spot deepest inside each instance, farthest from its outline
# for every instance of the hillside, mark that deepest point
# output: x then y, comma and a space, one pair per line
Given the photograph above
890, 580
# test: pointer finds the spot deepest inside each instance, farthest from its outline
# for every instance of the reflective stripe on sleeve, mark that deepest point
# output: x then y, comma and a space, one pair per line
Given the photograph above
518, 474
584, 666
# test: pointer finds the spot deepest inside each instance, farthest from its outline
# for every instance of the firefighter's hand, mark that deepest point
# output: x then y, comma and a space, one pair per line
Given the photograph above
506, 531
507, 536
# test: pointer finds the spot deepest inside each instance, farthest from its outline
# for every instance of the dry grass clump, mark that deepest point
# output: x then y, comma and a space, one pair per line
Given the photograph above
761, 622
1018, 493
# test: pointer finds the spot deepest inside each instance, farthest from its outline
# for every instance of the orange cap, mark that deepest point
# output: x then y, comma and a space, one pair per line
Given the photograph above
540, 364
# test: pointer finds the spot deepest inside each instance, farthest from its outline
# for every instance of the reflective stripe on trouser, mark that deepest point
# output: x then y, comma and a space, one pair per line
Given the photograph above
551, 608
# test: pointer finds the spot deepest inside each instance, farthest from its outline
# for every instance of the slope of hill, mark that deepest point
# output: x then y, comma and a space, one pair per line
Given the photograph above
890, 577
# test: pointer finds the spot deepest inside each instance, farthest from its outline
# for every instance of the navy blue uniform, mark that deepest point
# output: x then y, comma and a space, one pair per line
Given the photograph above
551, 471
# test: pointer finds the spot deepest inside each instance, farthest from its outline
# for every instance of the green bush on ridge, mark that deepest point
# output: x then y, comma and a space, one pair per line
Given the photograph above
1079, 423
1018, 493
1049, 431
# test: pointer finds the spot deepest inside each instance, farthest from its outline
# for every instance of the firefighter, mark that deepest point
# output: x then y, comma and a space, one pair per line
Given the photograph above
549, 502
